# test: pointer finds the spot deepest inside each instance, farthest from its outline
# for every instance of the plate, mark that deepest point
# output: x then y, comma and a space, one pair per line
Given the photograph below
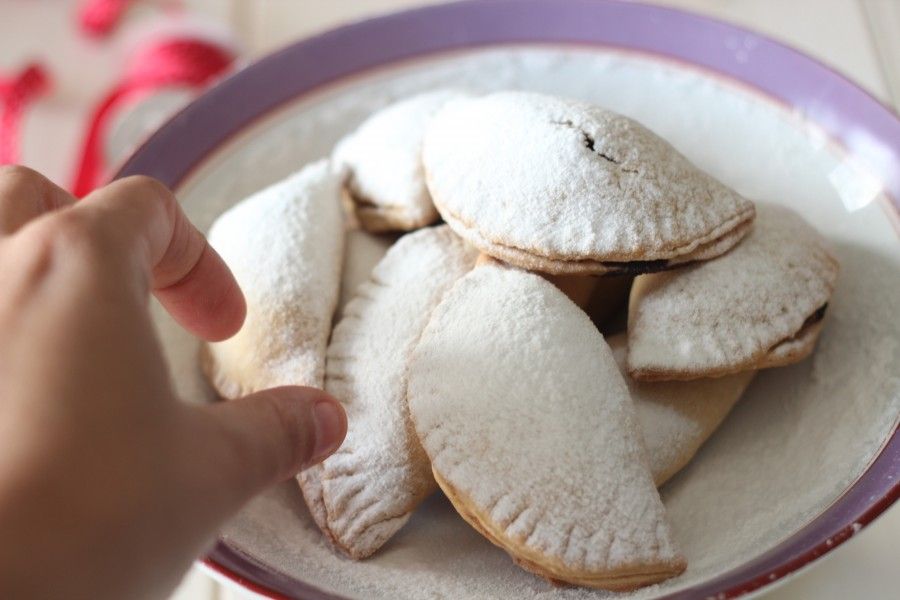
808, 457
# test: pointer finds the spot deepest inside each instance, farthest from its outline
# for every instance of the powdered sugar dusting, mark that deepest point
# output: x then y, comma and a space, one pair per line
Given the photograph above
382, 160
567, 180
284, 246
800, 436
554, 461
380, 474
725, 315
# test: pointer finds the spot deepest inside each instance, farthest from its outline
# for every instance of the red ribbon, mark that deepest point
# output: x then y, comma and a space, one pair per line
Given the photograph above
186, 62
15, 94
98, 17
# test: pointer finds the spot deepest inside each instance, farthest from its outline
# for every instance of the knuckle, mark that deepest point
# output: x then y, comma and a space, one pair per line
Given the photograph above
148, 192
146, 188
70, 232
30, 192
144, 182
70, 227
47, 241
20, 175
23, 183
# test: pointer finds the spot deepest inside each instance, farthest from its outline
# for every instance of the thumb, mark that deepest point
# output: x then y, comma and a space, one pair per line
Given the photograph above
248, 444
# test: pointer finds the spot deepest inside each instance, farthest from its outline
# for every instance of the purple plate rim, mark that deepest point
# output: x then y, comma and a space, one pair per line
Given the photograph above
868, 131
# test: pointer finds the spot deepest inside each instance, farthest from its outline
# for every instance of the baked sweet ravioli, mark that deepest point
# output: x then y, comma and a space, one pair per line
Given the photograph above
380, 474
561, 186
310, 482
532, 436
362, 251
382, 165
284, 246
759, 306
677, 417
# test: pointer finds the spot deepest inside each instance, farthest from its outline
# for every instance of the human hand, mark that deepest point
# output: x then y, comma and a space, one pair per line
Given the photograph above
109, 486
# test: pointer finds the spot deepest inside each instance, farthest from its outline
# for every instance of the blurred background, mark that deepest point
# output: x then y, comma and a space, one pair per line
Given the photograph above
82, 82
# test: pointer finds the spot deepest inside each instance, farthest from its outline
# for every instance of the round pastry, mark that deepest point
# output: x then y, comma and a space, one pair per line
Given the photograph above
561, 186
381, 163
759, 306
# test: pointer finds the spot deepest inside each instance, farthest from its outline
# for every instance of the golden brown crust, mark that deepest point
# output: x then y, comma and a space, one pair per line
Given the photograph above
794, 349
707, 421
786, 352
384, 218
332, 510
716, 242
753, 308
655, 205
311, 488
486, 259
622, 579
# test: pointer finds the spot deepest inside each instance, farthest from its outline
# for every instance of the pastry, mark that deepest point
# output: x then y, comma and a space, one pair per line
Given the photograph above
310, 481
759, 306
382, 166
284, 246
677, 417
565, 187
371, 485
532, 436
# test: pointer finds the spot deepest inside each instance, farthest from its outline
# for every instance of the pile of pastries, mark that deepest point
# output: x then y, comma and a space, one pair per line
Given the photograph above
468, 352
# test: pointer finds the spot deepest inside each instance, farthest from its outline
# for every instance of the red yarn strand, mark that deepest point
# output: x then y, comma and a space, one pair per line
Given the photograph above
15, 96
187, 62
99, 17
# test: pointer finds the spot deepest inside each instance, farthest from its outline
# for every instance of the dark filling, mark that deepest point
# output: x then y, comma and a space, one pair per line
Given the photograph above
636, 267
587, 139
810, 321
815, 317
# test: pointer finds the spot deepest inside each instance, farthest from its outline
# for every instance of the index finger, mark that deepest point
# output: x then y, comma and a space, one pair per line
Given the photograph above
175, 261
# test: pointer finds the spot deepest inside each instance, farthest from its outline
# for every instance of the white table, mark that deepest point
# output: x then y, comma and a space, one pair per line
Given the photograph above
857, 37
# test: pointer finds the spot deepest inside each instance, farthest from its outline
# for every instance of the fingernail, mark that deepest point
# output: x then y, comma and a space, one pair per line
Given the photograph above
331, 426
